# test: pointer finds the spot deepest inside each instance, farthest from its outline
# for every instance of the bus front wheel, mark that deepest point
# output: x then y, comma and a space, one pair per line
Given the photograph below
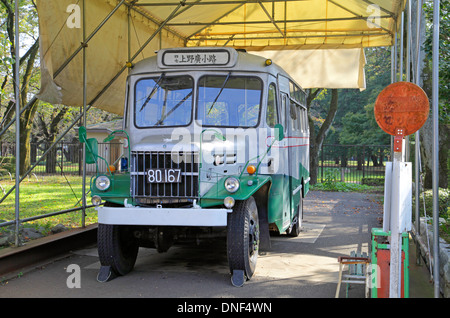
117, 247
243, 237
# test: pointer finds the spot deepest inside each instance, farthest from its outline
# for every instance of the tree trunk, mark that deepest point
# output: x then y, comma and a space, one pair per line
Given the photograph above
26, 125
316, 141
360, 161
50, 160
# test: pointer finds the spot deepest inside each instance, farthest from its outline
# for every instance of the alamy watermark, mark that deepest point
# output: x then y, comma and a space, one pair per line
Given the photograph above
374, 19
74, 19
74, 279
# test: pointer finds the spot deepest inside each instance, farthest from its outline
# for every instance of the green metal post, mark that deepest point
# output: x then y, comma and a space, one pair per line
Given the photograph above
374, 271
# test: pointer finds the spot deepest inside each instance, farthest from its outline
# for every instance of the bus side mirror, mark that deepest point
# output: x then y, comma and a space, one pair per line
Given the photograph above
91, 145
109, 138
279, 132
82, 134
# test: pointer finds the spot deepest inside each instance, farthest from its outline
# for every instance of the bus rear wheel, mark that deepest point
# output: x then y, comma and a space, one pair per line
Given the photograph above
117, 247
243, 237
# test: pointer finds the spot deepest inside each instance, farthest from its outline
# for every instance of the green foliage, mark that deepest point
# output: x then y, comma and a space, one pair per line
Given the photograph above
373, 181
443, 203
343, 187
331, 175
361, 128
426, 208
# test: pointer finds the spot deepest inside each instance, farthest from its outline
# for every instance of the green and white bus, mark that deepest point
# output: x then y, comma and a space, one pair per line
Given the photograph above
217, 145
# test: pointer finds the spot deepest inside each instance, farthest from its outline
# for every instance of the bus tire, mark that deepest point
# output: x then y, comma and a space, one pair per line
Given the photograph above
117, 247
296, 227
243, 237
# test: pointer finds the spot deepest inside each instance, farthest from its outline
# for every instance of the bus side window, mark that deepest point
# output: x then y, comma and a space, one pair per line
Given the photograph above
294, 116
305, 114
283, 118
302, 119
272, 114
302, 98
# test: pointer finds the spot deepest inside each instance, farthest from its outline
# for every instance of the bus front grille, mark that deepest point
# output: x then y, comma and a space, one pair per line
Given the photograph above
146, 192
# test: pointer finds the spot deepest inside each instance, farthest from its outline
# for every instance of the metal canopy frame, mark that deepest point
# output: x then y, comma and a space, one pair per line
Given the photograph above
279, 32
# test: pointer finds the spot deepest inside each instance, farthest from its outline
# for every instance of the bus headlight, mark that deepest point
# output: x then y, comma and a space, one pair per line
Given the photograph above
96, 200
102, 183
232, 184
228, 202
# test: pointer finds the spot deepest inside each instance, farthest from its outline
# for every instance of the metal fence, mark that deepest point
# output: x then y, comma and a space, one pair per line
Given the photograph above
353, 163
345, 163
65, 158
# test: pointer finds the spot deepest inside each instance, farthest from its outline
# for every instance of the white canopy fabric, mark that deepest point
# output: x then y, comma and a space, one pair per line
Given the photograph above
327, 68
319, 42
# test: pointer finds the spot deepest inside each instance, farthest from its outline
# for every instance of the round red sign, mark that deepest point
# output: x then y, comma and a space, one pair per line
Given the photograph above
401, 108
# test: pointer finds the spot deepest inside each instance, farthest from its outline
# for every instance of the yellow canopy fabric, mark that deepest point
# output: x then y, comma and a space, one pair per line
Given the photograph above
283, 24
323, 39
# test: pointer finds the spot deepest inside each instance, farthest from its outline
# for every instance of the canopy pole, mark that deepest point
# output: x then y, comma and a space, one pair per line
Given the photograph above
397, 157
402, 69
83, 210
435, 92
417, 184
17, 92
400, 63
393, 76
408, 42
129, 33
408, 67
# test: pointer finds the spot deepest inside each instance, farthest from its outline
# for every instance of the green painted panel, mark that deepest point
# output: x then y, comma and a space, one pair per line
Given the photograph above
117, 192
304, 174
277, 202
248, 186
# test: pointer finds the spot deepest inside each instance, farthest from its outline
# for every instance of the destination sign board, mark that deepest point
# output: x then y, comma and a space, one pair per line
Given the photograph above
188, 58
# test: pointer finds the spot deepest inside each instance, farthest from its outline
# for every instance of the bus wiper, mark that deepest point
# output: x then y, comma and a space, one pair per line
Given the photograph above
217, 97
153, 91
174, 108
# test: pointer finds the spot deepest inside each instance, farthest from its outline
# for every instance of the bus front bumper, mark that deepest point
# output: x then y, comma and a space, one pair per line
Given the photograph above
162, 216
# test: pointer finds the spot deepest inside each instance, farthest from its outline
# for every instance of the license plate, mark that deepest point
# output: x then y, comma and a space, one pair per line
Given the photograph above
164, 175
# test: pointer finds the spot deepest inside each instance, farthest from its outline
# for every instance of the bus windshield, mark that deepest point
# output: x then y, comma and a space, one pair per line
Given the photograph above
163, 101
230, 101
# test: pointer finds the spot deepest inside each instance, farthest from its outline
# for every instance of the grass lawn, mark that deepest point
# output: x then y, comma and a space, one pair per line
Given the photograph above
45, 195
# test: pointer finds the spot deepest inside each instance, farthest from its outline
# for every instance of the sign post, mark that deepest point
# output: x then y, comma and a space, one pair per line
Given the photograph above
400, 110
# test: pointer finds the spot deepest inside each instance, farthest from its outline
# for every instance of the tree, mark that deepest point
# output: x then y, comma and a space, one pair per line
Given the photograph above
48, 131
29, 71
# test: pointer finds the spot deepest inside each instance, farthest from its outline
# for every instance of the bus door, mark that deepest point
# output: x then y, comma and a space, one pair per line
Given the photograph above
293, 143
285, 160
